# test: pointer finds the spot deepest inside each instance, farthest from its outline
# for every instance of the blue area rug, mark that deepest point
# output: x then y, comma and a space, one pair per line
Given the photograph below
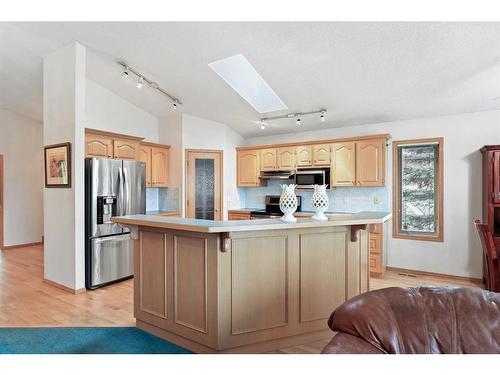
116, 340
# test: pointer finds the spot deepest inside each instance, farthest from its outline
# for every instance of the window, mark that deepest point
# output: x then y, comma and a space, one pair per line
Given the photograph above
418, 189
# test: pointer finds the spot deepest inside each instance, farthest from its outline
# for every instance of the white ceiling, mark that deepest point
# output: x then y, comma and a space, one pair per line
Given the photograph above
361, 72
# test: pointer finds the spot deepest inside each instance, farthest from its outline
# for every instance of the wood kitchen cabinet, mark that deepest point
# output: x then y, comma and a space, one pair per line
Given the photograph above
248, 168
127, 149
370, 162
156, 157
321, 155
304, 156
111, 145
145, 156
98, 146
377, 251
238, 215
268, 158
343, 167
286, 158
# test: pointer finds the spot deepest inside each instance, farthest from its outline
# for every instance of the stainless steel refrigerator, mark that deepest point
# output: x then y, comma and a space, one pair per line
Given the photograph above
112, 188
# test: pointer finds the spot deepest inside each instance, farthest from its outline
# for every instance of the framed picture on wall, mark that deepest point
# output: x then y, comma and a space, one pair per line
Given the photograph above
58, 165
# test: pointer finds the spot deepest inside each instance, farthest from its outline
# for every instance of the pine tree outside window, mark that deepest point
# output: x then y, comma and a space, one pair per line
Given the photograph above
418, 189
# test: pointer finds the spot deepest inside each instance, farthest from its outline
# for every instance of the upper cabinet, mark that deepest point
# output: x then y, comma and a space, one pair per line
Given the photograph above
159, 166
352, 161
156, 157
98, 146
248, 166
145, 156
111, 145
321, 155
343, 168
268, 159
286, 158
370, 162
127, 149
359, 163
304, 156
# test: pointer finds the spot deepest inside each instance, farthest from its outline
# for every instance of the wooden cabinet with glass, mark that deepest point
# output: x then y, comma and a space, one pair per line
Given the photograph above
156, 157
491, 190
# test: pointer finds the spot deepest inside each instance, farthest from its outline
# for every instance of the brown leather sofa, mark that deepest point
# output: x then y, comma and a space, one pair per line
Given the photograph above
422, 320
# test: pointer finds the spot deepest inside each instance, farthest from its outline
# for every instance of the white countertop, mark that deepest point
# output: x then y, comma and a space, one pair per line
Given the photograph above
211, 226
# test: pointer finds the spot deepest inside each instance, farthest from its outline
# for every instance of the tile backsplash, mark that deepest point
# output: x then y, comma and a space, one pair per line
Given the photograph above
162, 199
342, 199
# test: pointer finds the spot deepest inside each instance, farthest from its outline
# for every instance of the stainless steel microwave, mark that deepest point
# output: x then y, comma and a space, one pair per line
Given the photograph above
307, 178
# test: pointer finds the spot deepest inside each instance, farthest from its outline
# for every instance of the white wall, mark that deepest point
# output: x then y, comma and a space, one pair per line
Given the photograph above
460, 254
21, 145
198, 133
63, 121
104, 110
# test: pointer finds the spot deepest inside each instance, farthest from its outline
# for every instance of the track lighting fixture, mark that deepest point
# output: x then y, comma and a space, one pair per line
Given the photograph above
262, 125
127, 71
140, 82
298, 116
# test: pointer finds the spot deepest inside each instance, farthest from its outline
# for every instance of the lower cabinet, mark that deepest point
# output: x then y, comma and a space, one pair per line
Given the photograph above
264, 286
377, 250
238, 215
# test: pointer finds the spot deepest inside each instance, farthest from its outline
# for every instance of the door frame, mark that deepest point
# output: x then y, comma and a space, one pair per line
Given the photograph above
221, 177
1, 201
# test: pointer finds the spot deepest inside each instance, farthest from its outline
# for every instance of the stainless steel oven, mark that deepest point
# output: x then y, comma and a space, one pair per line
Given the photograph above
307, 178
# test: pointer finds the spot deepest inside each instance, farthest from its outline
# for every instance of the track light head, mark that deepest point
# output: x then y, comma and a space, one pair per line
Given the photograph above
298, 121
140, 82
125, 73
322, 117
174, 106
263, 125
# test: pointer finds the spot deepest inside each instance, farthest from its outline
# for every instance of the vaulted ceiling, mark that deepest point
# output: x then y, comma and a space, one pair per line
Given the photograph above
361, 72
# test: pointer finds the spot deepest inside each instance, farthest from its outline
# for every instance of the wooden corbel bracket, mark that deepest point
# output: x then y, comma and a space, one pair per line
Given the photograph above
355, 231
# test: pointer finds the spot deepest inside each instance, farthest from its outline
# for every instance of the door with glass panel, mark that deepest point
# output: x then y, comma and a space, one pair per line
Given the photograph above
204, 184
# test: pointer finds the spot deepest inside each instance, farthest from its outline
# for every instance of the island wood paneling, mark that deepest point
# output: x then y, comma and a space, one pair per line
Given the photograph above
258, 284
153, 273
322, 274
190, 282
264, 290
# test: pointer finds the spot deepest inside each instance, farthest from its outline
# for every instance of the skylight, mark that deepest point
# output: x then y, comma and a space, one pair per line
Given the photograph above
246, 81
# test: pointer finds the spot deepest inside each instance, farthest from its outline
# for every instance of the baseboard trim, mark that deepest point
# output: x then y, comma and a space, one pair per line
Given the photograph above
64, 287
21, 245
434, 274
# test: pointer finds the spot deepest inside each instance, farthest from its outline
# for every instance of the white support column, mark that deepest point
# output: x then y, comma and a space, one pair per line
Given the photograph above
63, 121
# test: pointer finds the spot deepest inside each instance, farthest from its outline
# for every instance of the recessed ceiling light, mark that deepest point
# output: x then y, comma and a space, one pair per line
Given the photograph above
247, 82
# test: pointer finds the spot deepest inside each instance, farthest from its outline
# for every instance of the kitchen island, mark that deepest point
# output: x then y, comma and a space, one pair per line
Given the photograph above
248, 285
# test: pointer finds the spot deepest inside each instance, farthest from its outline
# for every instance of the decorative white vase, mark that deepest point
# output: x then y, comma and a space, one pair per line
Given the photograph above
288, 203
320, 202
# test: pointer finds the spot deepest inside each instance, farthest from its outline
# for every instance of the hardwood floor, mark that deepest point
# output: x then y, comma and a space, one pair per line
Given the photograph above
25, 300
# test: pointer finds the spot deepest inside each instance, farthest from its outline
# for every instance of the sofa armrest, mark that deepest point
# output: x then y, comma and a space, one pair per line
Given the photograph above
344, 343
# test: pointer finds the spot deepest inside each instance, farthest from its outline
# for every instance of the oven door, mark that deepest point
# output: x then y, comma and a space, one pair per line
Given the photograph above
307, 179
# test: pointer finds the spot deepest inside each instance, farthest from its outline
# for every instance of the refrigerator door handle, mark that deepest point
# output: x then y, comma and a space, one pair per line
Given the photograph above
126, 193
121, 200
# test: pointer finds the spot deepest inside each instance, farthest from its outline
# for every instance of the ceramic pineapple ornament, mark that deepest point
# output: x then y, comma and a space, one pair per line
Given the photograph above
320, 202
288, 203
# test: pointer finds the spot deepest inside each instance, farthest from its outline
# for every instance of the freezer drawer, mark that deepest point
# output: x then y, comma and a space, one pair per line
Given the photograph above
111, 258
